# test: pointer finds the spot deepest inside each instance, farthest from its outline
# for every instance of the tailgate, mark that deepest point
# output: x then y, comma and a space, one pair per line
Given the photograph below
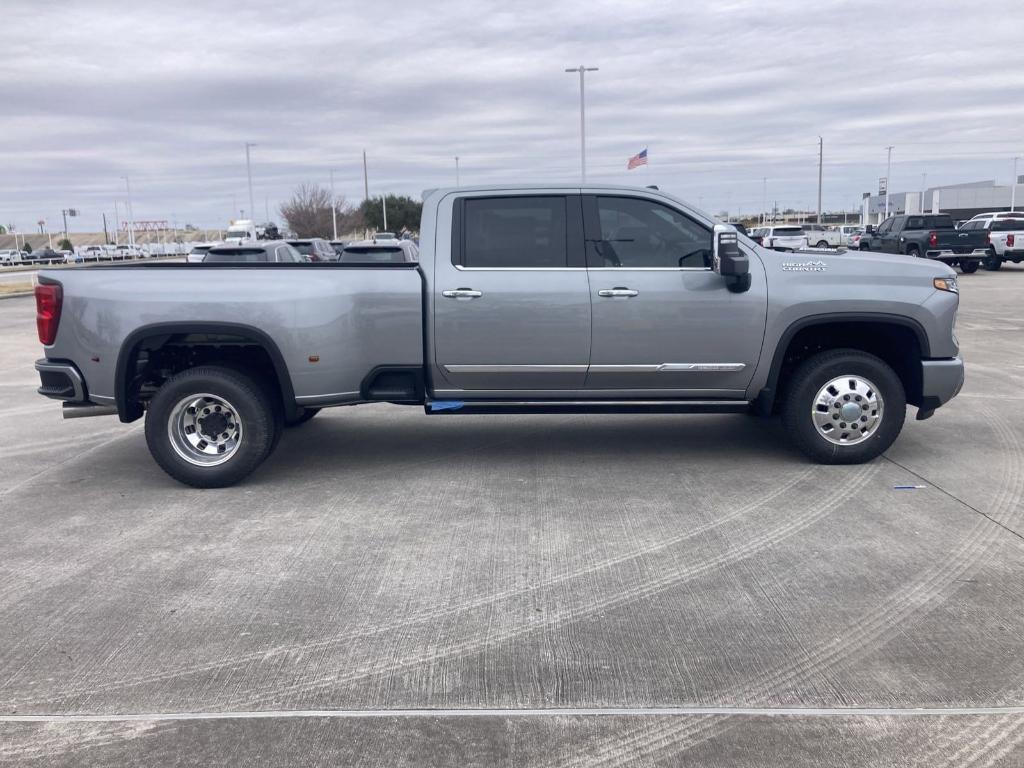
959, 241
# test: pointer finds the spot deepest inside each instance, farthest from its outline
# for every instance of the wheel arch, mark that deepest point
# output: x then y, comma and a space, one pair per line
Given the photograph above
805, 336
130, 409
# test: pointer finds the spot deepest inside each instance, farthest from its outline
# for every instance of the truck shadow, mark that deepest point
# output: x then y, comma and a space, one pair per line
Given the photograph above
338, 443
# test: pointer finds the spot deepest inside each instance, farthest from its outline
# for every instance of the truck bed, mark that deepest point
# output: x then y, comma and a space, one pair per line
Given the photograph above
330, 324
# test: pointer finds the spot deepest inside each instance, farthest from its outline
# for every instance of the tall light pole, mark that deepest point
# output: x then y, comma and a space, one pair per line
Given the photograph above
1013, 186
248, 173
366, 179
334, 208
131, 213
583, 122
821, 160
888, 180
457, 182
764, 200
924, 186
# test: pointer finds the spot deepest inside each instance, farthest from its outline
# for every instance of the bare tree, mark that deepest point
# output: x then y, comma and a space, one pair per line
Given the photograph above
308, 212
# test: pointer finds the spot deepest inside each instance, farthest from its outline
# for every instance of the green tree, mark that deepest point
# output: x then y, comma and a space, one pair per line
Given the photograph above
403, 214
65, 245
27, 247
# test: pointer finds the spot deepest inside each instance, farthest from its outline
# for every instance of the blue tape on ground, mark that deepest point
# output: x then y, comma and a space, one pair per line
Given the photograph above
446, 405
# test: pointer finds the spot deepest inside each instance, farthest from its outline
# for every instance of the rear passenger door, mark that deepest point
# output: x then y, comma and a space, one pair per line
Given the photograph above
511, 299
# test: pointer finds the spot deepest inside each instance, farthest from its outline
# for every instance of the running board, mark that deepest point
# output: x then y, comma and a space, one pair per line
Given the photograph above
445, 407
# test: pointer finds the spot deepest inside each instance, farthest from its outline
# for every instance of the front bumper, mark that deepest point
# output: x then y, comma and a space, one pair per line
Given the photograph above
61, 380
941, 381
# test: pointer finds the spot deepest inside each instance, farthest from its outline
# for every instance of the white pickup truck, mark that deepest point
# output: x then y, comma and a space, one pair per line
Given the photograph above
1006, 241
820, 237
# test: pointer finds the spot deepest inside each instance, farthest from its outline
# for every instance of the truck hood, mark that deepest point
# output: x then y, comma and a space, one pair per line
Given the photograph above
861, 263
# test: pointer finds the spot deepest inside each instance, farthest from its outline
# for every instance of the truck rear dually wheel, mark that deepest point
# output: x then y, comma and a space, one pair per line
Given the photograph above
209, 427
844, 406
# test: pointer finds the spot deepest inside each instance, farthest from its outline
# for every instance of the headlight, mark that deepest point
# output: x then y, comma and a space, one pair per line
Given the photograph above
946, 284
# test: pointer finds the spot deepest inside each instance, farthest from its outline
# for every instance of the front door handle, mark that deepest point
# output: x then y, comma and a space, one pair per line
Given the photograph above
617, 291
462, 293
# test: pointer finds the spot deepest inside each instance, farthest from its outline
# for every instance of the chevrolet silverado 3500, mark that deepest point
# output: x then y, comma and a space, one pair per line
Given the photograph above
529, 299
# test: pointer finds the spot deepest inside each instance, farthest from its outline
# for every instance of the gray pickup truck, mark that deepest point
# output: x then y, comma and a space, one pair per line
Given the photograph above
524, 300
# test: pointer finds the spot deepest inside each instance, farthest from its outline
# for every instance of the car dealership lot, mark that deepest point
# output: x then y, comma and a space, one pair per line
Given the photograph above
690, 573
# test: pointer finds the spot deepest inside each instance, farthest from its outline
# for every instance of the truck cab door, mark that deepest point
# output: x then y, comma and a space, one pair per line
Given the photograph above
664, 323
510, 296
890, 240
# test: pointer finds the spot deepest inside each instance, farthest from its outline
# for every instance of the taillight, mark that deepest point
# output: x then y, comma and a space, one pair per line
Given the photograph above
933, 239
988, 237
1009, 240
49, 298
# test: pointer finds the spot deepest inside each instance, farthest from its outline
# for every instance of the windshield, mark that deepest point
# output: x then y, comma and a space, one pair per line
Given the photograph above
306, 249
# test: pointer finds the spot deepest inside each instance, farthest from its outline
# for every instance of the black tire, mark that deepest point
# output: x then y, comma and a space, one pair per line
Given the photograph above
992, 262
812, 376
914, 251
305, 415
253, 411
865, 247
821, 244
968, 267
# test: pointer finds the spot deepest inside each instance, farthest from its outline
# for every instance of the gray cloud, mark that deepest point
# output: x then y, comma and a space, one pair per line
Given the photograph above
167, 93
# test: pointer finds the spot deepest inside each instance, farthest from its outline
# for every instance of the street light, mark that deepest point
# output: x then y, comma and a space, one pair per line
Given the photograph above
248, 173
334, 208
583, 130
888, 180
131, 213
65, 212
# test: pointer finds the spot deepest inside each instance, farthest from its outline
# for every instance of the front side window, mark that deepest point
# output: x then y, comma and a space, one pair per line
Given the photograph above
638, 234
514, 232
885, 226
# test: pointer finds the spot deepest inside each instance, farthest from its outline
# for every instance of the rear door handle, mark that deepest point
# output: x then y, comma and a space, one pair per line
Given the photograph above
627, 293
462, 293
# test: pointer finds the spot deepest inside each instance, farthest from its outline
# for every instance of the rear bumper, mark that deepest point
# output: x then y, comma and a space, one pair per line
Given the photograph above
61, 380
976, 254
941, 381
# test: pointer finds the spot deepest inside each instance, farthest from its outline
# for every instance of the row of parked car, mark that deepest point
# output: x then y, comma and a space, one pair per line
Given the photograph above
791, 237
91, 253
384, 248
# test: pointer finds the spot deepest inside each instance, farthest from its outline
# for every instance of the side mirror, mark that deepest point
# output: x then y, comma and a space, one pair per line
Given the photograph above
729, 261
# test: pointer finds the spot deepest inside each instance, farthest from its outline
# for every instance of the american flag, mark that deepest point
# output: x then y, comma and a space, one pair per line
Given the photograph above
638, 159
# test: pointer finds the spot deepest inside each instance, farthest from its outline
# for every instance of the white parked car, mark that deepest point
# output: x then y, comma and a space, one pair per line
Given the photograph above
123, 252
995, 215
787, 237
198, 252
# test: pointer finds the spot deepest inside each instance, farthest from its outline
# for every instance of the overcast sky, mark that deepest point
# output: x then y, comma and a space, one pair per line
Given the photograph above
721, 93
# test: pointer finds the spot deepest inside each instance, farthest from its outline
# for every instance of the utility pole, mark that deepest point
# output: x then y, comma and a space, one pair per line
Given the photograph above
366, 179
131, 213
924, 186
583, 122
821, 161
384, 203
764, 200
888, 179
117, 225
457, 182
248, 173
334, 208
1013, 186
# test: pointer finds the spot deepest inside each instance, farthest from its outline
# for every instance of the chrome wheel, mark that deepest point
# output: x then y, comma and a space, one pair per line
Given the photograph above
204, 430
847, 410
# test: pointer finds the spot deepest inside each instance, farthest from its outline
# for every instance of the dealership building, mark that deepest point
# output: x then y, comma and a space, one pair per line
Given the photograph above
961, 201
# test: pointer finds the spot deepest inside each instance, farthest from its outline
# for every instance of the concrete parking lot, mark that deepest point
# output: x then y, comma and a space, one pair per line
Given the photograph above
392, 589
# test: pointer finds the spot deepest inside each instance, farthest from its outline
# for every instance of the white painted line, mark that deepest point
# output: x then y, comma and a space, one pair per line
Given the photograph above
355, 714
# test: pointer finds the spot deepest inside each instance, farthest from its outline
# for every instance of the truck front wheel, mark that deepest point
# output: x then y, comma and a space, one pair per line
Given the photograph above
209, 427
844, 406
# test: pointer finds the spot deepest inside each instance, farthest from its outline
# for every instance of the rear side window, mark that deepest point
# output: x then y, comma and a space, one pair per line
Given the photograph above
787, 232
235, 255
938, 222
509, 232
